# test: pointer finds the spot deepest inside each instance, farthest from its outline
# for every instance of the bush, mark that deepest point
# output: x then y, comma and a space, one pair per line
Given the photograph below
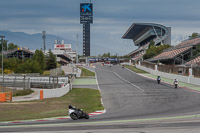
30, 66
22, 92
7, 71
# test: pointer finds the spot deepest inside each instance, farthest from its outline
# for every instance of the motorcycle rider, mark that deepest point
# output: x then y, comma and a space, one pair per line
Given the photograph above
76, 113
158, 79
71, 109
175, 83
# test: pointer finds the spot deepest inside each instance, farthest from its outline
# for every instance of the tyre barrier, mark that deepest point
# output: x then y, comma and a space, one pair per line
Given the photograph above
5, 96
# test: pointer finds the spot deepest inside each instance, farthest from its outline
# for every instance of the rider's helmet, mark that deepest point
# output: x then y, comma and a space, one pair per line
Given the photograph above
70, 106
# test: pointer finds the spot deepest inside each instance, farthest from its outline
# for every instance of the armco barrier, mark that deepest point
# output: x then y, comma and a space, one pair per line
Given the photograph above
6, 96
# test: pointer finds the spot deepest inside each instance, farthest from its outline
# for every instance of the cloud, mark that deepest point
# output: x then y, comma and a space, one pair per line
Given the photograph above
111, 19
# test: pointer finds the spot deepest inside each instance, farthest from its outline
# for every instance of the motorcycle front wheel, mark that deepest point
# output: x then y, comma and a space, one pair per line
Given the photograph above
74, 116
86, 116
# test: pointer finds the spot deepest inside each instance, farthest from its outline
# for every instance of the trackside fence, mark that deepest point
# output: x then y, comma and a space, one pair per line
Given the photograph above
27, 82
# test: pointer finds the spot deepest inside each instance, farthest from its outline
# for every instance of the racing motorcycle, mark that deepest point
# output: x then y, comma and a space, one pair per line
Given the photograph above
76, 113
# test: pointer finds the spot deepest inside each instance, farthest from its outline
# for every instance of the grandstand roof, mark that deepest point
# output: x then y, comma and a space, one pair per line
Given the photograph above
172, 52
194, 41
19, 53
194, 61
141, 31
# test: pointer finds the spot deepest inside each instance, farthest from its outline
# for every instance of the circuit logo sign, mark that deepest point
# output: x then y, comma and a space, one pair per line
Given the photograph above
86, 9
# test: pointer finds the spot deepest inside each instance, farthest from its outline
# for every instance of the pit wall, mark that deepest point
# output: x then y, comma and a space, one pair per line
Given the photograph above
187, 79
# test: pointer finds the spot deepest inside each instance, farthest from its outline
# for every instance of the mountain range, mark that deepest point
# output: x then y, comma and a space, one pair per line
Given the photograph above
32, 41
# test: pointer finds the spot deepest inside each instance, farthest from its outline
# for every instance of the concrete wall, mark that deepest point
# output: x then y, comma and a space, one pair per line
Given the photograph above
78, 74
58, 92
186, 79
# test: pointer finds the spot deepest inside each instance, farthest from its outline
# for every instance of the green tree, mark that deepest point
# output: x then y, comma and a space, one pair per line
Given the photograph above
40, 58
194, 35
12, 63
106, 55
12, 46
30, 66
152, 43
197, 50
154, 50
51, 61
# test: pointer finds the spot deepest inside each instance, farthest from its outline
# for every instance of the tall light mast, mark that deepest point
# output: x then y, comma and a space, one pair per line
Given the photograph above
44, 40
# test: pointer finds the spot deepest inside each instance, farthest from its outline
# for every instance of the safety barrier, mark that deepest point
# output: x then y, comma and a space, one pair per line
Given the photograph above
28, 82
5, 96
186, 79
41, 94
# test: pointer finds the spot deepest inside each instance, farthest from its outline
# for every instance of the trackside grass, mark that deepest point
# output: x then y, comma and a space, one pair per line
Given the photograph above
133, 68
86, 73
87, 99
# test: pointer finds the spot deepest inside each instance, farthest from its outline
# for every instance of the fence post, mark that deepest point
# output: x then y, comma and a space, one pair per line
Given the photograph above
49, 82
190, 74
15, 82
24, 81
53, 82
29, 85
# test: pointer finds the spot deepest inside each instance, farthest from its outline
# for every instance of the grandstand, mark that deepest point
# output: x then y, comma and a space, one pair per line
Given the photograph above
23, 53
20, 53
143, 33
194, 62
180, 54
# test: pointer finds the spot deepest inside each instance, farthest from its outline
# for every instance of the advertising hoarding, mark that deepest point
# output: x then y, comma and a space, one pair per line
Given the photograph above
62, 46
86, 13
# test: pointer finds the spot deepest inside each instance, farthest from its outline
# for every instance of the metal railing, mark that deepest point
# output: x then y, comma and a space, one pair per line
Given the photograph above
27, 82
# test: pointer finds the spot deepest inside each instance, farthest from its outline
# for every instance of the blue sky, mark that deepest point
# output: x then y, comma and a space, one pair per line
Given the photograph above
111, 19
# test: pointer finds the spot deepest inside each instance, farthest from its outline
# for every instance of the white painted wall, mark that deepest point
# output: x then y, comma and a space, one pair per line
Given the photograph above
58, 92
186, 79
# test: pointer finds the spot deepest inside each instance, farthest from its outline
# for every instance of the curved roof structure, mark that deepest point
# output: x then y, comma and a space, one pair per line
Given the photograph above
142, 33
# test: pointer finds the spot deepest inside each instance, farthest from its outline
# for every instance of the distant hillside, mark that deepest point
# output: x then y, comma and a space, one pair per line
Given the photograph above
33, 41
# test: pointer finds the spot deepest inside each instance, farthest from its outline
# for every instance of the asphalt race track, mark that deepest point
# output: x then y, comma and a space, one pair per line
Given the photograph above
133, 104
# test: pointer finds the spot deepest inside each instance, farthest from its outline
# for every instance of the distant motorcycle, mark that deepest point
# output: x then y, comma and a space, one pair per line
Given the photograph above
76, 113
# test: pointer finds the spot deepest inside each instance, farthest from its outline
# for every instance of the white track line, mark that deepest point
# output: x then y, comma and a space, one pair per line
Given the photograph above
123, 79
99, 89
128, 82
